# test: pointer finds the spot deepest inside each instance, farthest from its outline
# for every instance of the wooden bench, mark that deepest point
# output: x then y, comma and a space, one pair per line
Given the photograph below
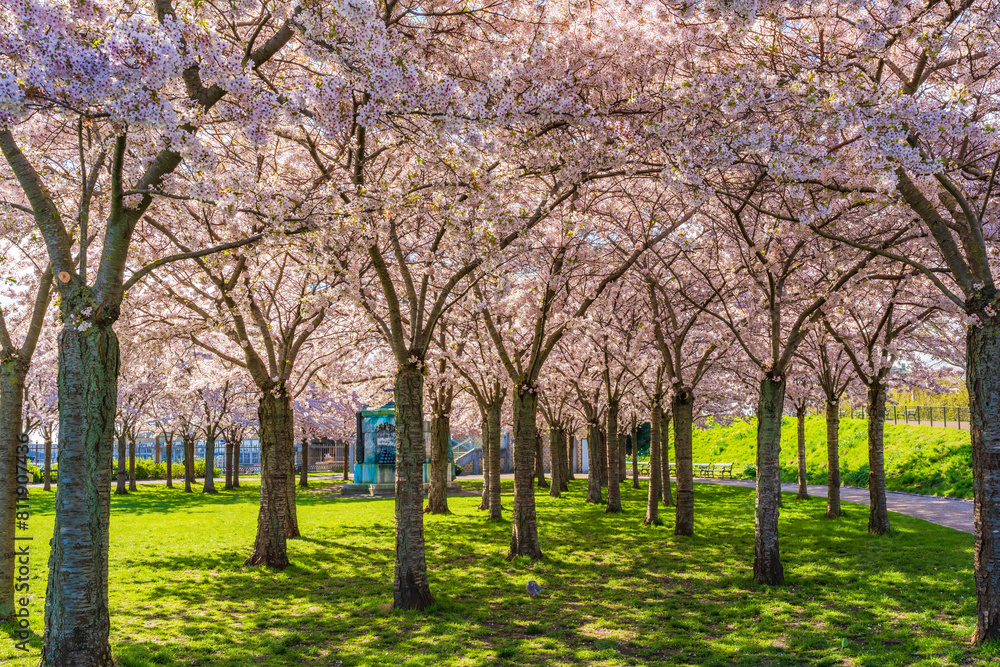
712, 470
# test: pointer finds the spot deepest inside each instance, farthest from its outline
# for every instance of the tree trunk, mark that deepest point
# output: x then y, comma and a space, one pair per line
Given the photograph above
682, 406
229, 465
653, 497
236, 463
602, 445
484, 428
47, 477
77, 623
614, 476
555, 462
170, 464
767, 568
12, 374
539, 461
524, 535
570, 451
156, 451
593, 465
833, 458
411, 589
622, 458
188, 464
493, 413
665, 490
564, 461
131, 465
291, 511
983, 380
878, 516
274, 415
800, 415
635, 455
304, 473
209, 486
437, 499
122, 488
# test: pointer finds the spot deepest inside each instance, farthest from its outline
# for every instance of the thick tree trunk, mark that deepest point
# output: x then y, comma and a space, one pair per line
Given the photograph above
800, 416
47, 477
878, 516
122, 488
555, 462
767, 568
304, 473
188, 464
665, 491
614, 460
602, 445
274, 414
12, 374
484, 429
229, 466
411, 589
496, 440
131, 465
236, 464
653, 497
209, 486
593, 465
77, 623
682, 406
437, 499
524, 535
170, 464
983, 380
635, 454
833, 458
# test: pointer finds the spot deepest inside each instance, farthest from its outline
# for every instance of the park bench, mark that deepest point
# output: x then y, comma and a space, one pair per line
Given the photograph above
714, 470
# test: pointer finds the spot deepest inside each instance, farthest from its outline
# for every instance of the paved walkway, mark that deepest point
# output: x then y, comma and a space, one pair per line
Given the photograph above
952, 512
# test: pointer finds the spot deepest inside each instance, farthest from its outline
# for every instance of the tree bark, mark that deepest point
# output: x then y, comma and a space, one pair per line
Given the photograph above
493, 411
122, 488
131, 465
593, 465
800, 416
12, 374
274, 415
983, 380
484, 429
291, 511
170, 463
653, 497
614, 476
188, 463
209, 485
833, 458
682, 406
304, 473
437, 498
229, 465
570, 451
767, 568
411, 589
602, 445
555, 464
156, 451
236, 463
77, 623
539, 461
622, 458
47, 477
635, 454
665, 490
878, 516
524, 534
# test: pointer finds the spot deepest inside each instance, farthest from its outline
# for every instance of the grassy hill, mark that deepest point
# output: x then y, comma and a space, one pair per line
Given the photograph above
918, 459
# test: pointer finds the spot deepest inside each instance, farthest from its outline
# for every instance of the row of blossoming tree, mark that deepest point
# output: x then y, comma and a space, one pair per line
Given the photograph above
473, 204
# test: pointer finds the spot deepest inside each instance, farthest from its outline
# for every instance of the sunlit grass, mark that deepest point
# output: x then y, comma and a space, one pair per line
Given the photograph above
615, 592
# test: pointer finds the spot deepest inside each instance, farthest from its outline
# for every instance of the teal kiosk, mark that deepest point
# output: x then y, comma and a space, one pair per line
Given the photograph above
375, 454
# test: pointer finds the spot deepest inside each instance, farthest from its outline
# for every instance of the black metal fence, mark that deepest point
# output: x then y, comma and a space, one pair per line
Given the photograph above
926, 415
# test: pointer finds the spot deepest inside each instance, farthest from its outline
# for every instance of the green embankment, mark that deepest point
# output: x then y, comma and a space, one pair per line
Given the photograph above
918, 459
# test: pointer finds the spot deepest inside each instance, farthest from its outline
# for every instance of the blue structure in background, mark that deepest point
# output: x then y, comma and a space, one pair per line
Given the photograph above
375, 447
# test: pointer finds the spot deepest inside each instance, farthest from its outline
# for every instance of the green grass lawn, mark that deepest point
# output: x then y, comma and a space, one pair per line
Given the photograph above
615, 592
918, 459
